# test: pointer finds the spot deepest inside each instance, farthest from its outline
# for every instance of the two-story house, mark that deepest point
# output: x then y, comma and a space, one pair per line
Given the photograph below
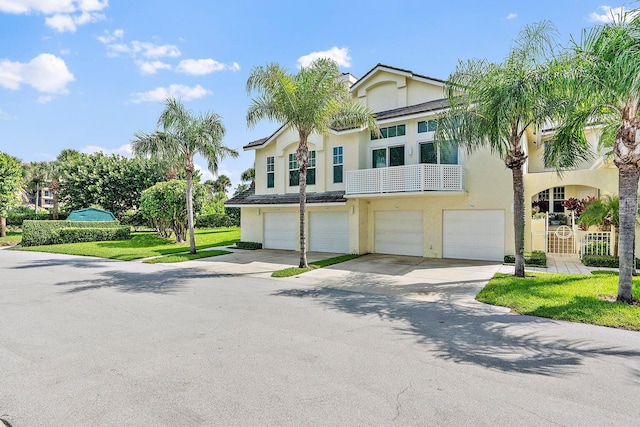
400, 193
403, 192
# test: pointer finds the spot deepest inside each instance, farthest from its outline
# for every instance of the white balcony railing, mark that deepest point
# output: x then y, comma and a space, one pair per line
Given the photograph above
421, 177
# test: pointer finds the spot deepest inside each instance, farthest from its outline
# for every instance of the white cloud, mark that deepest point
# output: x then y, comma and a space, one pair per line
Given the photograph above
65, 51
205, 174
185, 93
607, 14
152, 67
200, 67
340, 55
62, 15
43, 99
146, 49
46, 73
110, 37
123, 150
512, 16
6, 116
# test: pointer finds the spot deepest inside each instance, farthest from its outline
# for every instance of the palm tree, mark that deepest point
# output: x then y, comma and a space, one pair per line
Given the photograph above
37, 173
180, 136
494, 103
316, 100
600, 80
604, 212
248, 176
221, 184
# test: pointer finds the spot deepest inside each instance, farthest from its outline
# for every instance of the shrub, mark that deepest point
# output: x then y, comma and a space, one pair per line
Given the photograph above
133, 218
604, 261
249, 245
216, 220
36, 233
17, 218
534, 259
75, 235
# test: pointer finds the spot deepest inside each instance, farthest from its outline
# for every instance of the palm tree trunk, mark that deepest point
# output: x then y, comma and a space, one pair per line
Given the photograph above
518, 219
303, 160
37, 196
192, 237
3, 227
54, 189
628, 175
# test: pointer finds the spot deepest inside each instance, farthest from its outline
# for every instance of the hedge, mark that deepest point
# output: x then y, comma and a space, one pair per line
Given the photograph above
533, 259
248, 245
75, 235
216, 221
35, 233
16, 219
604, 261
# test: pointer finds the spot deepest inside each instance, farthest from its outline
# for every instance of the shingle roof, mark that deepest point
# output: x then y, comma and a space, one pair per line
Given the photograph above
438, 104
257, 142
402, 70
249, 197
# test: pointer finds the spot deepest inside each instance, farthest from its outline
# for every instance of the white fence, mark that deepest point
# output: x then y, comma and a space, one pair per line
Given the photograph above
421, 177
596, 243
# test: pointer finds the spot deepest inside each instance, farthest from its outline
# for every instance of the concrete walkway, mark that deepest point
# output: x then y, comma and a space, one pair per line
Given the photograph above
556, 263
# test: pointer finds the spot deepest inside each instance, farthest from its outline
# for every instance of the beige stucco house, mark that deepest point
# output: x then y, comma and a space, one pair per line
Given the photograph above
401, 193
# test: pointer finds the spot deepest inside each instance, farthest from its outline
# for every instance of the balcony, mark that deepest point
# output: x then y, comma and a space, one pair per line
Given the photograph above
408, 178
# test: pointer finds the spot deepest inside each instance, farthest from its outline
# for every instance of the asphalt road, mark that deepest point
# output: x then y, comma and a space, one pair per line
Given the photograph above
88, 342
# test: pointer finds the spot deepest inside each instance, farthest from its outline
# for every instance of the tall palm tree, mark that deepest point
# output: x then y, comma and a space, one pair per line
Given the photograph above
600, 78
221, 184
249, 175
180, 136
313, 100
492, 104
37, 173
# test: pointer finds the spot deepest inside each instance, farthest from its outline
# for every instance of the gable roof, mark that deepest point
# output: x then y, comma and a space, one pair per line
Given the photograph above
424, 107
396, 70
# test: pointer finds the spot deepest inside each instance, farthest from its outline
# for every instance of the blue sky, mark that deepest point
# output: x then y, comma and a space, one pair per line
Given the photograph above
88, 74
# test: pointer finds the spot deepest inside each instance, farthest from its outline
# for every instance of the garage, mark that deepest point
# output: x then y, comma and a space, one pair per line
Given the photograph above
399, 233
473, 234
329, 232
280, 230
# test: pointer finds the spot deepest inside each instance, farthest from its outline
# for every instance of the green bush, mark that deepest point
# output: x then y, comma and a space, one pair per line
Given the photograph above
604, 261
134, 219
216, 220
75, 235
532, 259
249, 245
35, 233
17, 218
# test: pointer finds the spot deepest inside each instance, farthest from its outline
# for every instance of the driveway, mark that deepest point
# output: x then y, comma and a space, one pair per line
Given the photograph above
85, 341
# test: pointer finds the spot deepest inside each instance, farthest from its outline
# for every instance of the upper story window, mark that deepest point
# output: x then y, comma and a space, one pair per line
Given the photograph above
337, 165
271, 170
294, 172
443, 153
388, 156
391, 132
427, 126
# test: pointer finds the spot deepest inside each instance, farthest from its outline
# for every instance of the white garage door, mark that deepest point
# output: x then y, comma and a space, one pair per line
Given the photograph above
280, 230
329, 232
473, 234
399, 233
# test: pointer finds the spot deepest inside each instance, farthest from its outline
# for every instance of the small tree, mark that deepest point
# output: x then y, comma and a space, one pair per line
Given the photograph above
10, 181
603, 212
36, 174
165, 206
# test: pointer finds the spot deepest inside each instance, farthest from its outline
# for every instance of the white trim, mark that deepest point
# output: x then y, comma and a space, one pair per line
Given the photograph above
286, 205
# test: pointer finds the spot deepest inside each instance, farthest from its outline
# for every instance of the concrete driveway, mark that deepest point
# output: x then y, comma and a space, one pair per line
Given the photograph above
86, 341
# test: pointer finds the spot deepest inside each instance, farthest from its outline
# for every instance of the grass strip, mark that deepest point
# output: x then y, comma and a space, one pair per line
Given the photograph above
143, 245
185, 257
579, 298
12, 238
294, 271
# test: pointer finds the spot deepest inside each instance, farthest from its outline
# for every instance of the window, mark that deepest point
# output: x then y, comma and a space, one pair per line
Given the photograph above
337, 165
391, 132
444, 153
427, 126
558, 199
294, 171
271, 167
395, 156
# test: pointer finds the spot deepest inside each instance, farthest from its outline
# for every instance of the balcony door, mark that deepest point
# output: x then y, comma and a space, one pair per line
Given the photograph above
388, 156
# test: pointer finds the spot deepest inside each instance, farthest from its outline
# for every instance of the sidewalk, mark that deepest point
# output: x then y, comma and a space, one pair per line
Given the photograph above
565, 264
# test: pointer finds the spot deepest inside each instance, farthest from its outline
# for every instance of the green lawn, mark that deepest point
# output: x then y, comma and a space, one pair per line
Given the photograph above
12, 238
294, 271
185, 257
143, 245
573, 297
